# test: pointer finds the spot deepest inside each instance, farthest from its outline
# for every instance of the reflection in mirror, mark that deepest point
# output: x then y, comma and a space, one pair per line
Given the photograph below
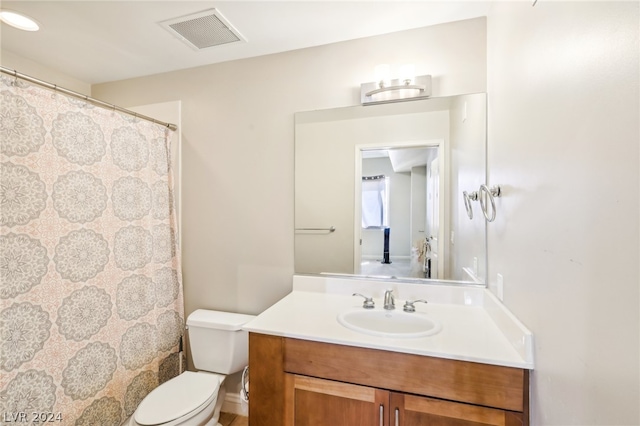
397, 192
378, 190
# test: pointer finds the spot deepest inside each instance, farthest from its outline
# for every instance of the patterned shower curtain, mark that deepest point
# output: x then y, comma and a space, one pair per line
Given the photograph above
91, 310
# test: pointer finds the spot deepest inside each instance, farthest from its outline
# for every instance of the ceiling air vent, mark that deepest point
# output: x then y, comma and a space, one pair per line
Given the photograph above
203, 30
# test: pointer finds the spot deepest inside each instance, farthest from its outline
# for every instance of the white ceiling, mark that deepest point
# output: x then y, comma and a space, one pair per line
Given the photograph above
402, 159
100, 41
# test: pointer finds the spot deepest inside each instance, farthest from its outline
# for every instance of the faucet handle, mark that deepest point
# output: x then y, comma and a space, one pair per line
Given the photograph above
368, 301
408, 306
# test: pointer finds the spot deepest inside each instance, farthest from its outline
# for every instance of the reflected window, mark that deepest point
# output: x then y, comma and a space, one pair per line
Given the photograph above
375, 201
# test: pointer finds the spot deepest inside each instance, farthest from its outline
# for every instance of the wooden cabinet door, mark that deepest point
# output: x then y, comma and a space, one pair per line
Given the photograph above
411, 410
316, 402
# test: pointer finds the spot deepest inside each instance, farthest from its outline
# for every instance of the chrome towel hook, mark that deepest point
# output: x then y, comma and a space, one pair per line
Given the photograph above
491, 193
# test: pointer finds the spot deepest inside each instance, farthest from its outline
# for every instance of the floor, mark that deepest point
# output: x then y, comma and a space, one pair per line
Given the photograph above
227, 419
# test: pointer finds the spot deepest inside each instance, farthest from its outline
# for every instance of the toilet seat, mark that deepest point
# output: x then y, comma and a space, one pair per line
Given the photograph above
182, 396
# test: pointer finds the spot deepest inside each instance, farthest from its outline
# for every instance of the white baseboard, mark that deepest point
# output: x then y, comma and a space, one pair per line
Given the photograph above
234, 404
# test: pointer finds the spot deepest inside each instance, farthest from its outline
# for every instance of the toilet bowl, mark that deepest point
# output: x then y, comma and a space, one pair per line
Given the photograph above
189, 399
219, 347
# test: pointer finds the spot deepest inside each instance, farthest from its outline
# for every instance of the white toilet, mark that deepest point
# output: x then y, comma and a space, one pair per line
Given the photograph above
219, 347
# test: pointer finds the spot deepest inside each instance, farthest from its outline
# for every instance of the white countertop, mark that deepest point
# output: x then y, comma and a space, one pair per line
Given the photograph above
475, 326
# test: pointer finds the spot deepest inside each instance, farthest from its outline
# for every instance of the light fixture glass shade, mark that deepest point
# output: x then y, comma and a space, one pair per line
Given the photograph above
407, 73
18, 20
383, 74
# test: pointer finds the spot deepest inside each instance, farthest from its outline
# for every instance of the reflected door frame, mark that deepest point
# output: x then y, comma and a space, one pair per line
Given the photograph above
432, 225
443, 162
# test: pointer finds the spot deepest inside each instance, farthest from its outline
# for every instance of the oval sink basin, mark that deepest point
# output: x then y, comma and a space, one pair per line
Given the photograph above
397, 324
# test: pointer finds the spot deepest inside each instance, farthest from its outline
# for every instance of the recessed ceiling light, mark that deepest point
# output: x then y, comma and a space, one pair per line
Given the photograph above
18, 20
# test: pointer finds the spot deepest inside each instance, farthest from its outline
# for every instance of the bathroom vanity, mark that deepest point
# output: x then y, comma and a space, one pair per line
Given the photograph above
308, 369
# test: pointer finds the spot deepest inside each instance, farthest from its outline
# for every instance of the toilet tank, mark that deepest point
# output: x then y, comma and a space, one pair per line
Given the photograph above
218, 343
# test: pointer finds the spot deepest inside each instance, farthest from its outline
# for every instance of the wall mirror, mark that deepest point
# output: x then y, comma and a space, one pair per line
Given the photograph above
379, 190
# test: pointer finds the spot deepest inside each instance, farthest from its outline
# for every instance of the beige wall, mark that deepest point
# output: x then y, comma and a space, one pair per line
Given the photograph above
564, 145
34, 69
468, 120
237, 138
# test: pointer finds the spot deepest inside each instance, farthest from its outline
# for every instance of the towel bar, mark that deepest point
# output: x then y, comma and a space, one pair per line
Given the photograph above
331, 229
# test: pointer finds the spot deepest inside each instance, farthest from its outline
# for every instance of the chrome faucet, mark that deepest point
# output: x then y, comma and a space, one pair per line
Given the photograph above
389, 303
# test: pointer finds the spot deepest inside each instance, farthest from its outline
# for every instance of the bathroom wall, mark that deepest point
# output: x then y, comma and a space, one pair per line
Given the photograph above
33, 69
564, 146
237, 138
467, 121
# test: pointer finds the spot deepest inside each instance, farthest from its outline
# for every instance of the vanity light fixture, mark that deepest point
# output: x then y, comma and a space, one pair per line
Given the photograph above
407, 87
18, 20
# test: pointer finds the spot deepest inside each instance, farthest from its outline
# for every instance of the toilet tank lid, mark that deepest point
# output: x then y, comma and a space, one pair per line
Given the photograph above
218, 320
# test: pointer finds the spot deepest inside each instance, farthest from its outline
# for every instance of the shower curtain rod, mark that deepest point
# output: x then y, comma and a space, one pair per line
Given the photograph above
86, 98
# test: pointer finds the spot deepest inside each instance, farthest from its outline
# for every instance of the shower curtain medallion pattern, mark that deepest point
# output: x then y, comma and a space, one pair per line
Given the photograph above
91, 303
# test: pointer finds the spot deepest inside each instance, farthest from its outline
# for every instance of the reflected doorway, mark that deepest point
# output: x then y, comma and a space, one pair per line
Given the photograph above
405, 209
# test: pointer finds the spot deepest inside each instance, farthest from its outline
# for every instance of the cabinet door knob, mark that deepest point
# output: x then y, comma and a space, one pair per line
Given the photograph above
397, 417
381, 415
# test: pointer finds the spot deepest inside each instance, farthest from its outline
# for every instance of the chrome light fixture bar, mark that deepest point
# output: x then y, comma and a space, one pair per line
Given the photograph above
396, 91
